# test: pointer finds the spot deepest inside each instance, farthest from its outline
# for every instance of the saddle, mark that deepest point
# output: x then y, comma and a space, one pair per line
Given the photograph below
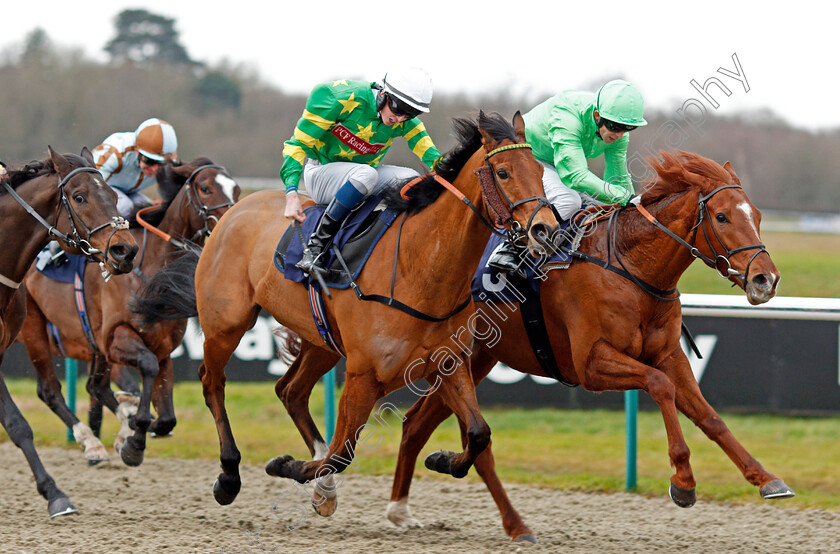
355, 242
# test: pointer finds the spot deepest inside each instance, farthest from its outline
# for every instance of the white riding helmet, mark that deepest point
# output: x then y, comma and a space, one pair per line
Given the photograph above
156, 139
413, 86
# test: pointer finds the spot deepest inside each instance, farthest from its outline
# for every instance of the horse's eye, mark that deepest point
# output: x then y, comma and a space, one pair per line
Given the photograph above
503, 174
79, 198
205, 189
721, 218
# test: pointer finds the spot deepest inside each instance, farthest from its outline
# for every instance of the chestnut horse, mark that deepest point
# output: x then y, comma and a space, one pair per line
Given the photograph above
194, 196
606, 331
437, 251
65, 197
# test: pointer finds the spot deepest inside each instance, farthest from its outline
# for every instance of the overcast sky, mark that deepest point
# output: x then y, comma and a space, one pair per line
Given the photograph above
788, 60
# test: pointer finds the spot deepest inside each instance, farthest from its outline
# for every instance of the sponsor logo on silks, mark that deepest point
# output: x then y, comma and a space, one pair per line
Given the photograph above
361, 146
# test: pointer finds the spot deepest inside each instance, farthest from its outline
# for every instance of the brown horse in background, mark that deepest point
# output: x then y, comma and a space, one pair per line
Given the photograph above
194, 195
607, 332
438, 244
65, 197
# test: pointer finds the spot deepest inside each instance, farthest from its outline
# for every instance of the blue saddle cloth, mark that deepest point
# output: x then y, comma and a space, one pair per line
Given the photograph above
356, 240
66, 271
488, 285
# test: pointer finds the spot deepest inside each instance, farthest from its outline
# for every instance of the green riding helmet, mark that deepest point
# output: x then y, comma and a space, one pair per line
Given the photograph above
621, 102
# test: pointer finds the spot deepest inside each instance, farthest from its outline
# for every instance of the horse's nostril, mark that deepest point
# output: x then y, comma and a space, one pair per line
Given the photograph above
123, 253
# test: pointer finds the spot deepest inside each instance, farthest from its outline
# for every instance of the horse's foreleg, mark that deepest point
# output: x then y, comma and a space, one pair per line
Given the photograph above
294, 389
127, 348
691, 402
162, 398
458, 392
608, 369
21, 435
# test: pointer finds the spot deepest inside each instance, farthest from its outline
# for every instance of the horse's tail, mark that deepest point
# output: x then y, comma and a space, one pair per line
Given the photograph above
170, 293
291, 344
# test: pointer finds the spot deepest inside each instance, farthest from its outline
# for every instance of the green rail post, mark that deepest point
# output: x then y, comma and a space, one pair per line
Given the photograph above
70, 375
631, 409
329, 403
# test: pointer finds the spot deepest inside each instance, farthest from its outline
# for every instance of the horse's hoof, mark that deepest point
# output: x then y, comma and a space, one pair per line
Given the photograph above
681, 497
440, 461
528, 537
131, 455
96, 462
61, 506
776, 489
222, 496
279, 466
324, 506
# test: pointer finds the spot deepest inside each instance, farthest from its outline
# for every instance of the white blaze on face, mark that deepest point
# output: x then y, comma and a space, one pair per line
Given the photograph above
748, 211
227, 185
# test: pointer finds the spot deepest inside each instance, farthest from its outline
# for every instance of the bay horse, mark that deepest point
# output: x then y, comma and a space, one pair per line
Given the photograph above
438, 245
606, 331
65, 197
195, 195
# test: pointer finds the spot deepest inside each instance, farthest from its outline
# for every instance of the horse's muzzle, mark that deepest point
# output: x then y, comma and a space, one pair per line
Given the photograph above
121, 257
761, 287
539, 240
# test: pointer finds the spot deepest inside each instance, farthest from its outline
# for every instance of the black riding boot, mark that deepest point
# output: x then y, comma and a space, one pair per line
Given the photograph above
507, 258
318, 242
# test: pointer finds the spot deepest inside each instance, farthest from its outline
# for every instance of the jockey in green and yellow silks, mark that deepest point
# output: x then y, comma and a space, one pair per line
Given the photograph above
340, 141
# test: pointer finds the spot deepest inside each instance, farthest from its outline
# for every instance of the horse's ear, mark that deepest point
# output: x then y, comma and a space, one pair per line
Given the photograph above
62, 166
486, 139
728, 167
86, 154
519, 125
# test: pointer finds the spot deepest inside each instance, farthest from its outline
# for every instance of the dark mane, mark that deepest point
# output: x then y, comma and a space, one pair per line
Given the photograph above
38, 168
468, 139
679, 171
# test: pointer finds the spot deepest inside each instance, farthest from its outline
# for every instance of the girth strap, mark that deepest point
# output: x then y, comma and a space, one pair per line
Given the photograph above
534, 321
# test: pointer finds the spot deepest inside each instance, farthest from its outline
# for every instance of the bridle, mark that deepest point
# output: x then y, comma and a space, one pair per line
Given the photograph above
193, 199
720, 262
497, 202
74, 238
203, 210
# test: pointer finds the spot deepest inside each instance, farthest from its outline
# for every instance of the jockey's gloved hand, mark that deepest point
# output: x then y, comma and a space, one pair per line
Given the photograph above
634, 200
437, 162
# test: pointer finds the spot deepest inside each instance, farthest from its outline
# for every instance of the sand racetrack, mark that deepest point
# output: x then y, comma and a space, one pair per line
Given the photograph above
166, 505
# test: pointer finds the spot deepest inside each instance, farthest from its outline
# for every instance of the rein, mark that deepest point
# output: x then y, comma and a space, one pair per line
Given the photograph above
74, 241
493, 195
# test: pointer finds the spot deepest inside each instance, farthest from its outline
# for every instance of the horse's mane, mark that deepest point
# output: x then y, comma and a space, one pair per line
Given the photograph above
680, 171
169, 184
468, 136
38, 168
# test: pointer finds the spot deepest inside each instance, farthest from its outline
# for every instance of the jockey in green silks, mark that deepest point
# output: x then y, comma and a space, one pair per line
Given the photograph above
567, 130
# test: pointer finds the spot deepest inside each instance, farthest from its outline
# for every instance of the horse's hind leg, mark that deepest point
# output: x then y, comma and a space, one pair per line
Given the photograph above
162, 398
691, 402
34, 336
421, 420
458, 392
294, 389
21, 435
221, 337
361, 391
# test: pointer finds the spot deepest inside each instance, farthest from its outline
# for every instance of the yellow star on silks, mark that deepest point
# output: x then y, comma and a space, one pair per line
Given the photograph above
318, 144
350, 104
365, 133
349, 154
341, 82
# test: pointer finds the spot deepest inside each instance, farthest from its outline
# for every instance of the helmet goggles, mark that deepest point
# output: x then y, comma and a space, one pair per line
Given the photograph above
400, 108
